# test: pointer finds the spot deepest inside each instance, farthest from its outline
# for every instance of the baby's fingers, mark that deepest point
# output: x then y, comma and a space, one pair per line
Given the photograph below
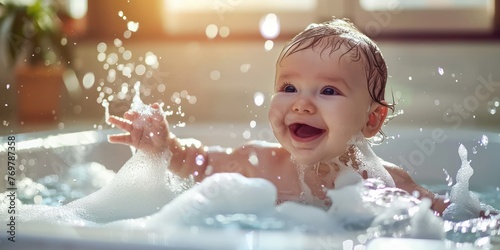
121, 138
121, 123
131, 115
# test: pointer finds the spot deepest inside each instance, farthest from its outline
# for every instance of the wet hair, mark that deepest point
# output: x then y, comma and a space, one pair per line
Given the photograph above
341, 32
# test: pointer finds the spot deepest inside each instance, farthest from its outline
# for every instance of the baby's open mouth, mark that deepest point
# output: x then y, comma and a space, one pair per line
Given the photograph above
302, 130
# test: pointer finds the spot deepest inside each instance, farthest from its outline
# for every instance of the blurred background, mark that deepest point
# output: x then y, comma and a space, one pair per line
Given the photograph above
212, 61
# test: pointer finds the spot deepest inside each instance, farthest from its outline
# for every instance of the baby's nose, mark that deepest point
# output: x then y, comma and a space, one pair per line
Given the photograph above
304, 106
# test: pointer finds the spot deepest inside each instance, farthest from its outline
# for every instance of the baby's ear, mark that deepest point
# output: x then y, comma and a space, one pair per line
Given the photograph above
375, 121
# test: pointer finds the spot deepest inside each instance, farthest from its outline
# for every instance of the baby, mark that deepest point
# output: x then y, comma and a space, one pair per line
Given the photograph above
328, 98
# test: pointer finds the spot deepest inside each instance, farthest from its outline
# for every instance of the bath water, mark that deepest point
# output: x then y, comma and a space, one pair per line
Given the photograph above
145, 195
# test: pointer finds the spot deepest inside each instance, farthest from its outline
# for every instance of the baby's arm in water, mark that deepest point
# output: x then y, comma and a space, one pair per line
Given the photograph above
150, 133
405, 182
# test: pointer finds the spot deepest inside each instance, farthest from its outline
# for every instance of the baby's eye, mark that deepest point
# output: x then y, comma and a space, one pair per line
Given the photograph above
287, 87
330, 91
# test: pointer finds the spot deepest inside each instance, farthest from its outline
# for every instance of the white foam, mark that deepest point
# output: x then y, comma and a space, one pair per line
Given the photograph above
231, 200
225, 198
347, 176
349, 206
464, 204
140, 188
369, 161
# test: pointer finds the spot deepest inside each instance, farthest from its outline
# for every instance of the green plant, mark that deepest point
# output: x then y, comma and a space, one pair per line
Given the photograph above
33, 32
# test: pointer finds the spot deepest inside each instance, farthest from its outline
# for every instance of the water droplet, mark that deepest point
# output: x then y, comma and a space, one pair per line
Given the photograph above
247, 134
448, 178
140, 70
440, 71
421, 129
268, 45
253, 159
120, 13
101, 57
88, 80
150, 59
112, 58
436, 102
484, 141
200, 159
269, 26
258, 99
133, 26
127, 71
447, 197
64, 41
474, 150
410, 78
192, 99
117, 42
224, 31
127, 54
211, 31
253, 124
127, 34
215, 75
8, 86
415, 194
244, 68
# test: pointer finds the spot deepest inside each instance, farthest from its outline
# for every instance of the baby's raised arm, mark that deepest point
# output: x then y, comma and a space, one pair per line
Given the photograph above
149, 132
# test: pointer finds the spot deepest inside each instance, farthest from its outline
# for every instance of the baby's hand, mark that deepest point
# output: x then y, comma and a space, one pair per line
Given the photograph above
146, 131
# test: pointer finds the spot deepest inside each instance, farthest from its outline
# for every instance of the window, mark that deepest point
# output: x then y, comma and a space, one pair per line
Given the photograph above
374, 5
242, 18
424, 16
236, 17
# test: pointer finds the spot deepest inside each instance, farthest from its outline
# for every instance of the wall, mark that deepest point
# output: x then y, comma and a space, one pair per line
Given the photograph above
415, 79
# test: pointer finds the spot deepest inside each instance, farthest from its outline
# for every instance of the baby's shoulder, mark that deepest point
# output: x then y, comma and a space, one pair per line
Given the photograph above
399, 174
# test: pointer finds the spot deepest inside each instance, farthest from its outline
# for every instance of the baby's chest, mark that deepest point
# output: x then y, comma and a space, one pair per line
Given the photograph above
286, 181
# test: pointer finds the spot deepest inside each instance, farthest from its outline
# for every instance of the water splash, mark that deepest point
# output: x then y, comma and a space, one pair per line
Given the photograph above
464, 204
105, 104
449, 179
118, 62
484, 141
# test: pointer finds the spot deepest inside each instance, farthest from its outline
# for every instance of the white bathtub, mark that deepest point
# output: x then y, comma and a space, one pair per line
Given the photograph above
50, 152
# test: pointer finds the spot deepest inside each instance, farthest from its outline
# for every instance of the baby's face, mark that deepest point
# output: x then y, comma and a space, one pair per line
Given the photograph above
321, 101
